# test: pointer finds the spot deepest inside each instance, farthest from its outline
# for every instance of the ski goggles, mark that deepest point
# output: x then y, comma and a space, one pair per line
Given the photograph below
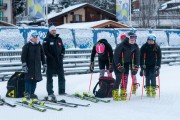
151, 37
132, 37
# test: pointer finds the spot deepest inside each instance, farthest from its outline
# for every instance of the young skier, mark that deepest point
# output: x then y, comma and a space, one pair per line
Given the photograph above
105, 56
135, 86
32, 56
150, 62
126, 55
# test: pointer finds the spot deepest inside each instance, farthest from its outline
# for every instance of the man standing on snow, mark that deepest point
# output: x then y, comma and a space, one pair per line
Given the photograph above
54, 51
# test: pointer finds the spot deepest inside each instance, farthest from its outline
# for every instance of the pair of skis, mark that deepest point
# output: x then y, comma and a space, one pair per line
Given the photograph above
87, 97
37, 105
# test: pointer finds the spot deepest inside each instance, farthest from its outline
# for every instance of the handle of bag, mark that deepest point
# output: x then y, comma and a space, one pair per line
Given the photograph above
94, 90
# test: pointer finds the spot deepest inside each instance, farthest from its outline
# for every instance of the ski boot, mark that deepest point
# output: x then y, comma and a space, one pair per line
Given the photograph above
153, 91
34, 96
123, 94
148, 91
115, 95
134, 88
52, 97
27, 96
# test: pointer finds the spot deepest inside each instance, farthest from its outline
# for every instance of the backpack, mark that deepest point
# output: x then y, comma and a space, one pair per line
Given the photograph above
106, 85
16, 85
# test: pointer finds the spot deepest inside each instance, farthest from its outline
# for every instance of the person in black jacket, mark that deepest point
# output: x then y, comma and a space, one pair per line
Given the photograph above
126, 55
32, 56
105, 56
150, 62
54, 51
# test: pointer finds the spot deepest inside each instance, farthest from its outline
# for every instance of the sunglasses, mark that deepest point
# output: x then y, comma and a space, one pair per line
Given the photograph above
132, 37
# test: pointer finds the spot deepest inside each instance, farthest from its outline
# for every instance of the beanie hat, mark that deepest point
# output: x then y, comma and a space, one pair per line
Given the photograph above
52, 28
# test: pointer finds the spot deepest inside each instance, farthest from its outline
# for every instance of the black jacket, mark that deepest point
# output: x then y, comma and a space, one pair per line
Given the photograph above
54, 51
108, 53
33, 55
150, 51
128, 50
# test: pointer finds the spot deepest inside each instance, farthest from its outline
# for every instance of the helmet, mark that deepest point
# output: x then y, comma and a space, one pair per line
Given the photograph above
151, 37
132, 35
122, 36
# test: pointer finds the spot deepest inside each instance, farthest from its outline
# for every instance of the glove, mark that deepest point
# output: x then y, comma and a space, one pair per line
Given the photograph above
120, 68
24, 68
44, 68
92, 66
110, 68
156, 71
135, 70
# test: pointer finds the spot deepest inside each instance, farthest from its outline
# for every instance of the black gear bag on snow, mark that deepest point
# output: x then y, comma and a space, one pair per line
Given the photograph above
105, 87
16, 85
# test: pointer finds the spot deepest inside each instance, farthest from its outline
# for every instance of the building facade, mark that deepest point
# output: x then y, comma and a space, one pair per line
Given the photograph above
6, 11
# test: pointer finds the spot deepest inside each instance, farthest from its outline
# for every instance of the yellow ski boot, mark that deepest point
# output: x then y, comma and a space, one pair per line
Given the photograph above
148, 91
123, 94
153, 91
115, 95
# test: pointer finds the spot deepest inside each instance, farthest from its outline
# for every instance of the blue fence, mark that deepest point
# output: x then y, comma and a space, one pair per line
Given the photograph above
15, 38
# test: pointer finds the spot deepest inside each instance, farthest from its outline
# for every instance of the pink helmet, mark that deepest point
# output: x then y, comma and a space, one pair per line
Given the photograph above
122, 36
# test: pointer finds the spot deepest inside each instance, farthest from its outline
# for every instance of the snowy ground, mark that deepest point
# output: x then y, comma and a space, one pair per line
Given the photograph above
167, 108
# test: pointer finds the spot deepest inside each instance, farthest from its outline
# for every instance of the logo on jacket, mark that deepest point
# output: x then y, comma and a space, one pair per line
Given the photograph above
59, 43
100, 48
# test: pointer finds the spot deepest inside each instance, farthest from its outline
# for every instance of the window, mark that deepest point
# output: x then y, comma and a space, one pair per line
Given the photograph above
1, 15
1, 2
77, 18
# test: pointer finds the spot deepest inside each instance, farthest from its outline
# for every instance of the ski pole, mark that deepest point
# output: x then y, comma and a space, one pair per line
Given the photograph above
143, 75
142, 85
132, 76
123, 84
90, 83
159, 85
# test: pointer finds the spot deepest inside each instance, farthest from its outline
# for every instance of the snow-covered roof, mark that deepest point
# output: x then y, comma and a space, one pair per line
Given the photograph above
174, 8
85, 24
70, 8
164, 5
50, 1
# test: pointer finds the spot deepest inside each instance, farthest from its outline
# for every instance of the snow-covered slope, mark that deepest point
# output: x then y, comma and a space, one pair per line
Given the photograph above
167, 108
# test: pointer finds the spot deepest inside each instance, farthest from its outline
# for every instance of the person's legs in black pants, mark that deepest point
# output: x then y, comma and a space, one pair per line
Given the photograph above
49, 85
61, 79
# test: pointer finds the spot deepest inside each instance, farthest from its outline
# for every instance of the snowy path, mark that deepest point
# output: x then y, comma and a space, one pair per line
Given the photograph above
167, 108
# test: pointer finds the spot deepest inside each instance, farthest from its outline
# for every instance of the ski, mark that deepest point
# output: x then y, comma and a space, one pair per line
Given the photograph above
41, 104
6, 103
63, 101
55, 102
93, 97
29, 105
82, 97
